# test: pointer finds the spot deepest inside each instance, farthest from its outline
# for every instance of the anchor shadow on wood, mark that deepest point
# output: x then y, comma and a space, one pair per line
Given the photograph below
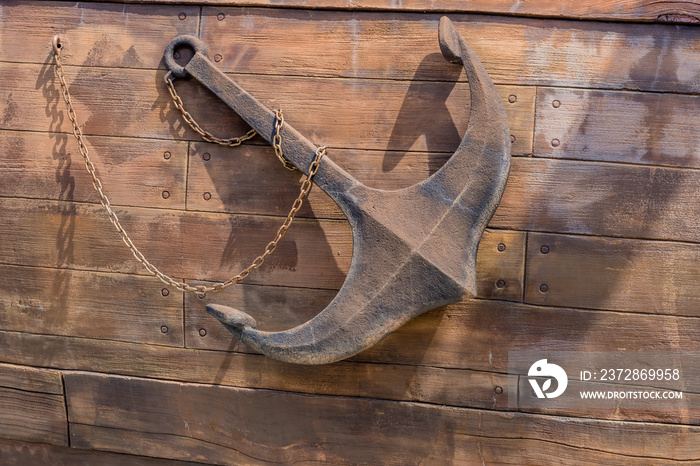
414, 249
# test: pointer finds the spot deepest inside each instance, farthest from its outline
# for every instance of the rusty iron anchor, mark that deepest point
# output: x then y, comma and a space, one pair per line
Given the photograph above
414, 249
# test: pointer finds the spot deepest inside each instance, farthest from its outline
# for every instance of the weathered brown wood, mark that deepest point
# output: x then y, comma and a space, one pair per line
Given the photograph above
621, 274
90, 304
659, 129
346, 113
33, 416
133, 171
121, 36
31, 379
196, 245
280, 308
513, 50
315, 428
14, 453
601, 199
614, 10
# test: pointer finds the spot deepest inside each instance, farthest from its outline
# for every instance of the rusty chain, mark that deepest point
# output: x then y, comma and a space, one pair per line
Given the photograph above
232, 142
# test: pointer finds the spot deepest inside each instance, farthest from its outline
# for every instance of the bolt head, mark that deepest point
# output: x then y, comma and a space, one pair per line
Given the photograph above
544, 288
164, 329
217, 58
544, 249
182, 16
167, 155
501, 247
512, 98
556, 104
206, 156
206, 196
166, 194
500, 283
555, 142
165, 292
202, 332
498, 390
220, 16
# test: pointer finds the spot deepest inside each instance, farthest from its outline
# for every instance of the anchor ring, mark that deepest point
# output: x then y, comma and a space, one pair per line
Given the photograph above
169, 56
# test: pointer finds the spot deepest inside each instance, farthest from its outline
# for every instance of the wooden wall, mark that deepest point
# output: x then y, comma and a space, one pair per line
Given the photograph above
103, 364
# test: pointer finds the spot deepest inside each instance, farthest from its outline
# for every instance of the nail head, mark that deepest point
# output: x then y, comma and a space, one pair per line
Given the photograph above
544, 249
166, 194
164, 329
165, 292
220, 16
202, 332
217, 58
544, 288
512, 98
167, 155
501, 247
182, 16
555, 142
500, 283
207, 196
206, 156
556, 104
498, 390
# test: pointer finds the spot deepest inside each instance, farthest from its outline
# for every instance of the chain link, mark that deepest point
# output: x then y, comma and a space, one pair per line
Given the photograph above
114, 219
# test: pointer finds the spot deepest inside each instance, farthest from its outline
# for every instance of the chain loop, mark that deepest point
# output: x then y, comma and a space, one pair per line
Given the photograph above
232, 142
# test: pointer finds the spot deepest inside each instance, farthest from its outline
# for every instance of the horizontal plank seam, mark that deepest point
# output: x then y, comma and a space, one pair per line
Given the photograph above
133, 455
565, 159
404, 10
38, 391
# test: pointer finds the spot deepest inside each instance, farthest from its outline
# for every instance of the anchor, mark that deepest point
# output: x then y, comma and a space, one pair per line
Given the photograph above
414, 249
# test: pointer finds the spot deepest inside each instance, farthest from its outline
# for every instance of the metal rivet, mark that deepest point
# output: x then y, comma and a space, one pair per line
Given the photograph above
217, 58
498, 390
207, 196
501, 247
206, 156
164, 329
202, 332
544, 249
167, 155
500, 283
165, 292
182, 16
555, 142
556, 103
201, 295
512, 139
512, 98
176, 55
544, 288
220, 16
166, 194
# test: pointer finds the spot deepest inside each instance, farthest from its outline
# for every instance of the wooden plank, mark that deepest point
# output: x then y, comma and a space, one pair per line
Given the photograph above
14, 453
610, 273
635, 127
120, 36
195, 245
31, 379
601, 199
279, 308
342, 430
681, 11
513, 50
90, 304
33, 417
346, 113
133, 171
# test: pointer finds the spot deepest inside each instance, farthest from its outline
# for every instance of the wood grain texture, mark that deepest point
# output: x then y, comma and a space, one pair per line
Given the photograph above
601, 199
614, 10
89, 304
621, 274
14, 453
337, 429
632, 127
279, 308
31, 379
33, 416
133, 171
102, 35
405, 46
343, 113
